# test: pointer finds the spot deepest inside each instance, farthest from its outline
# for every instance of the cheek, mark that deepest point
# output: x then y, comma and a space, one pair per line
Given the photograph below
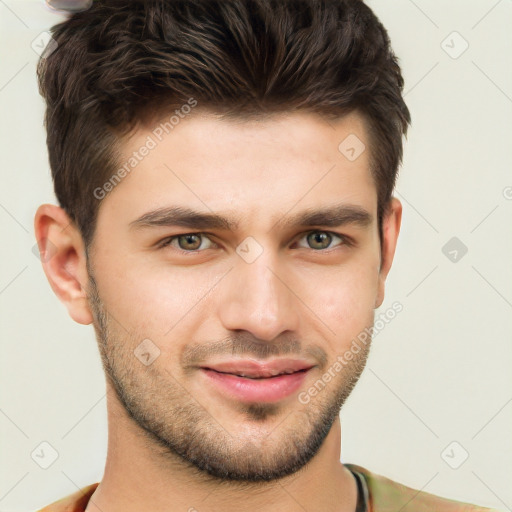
151, 299
346, 301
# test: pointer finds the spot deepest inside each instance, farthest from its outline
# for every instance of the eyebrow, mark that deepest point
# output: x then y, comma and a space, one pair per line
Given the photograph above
332, 216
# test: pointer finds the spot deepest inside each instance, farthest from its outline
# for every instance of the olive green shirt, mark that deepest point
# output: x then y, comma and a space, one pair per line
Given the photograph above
376, 493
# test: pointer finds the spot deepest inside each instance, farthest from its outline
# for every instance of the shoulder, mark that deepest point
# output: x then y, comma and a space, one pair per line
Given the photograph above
386, 495
75, 502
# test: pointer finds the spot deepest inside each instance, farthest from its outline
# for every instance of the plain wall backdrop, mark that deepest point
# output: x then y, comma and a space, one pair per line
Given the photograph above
437, 387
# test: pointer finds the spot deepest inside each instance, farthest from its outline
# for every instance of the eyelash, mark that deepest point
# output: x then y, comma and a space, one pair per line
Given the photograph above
345, 241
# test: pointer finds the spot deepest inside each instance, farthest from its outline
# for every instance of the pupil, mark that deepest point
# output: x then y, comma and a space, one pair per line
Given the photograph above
317, 236
187, 238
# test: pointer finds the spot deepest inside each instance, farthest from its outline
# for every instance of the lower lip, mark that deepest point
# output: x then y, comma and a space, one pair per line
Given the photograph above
270, 389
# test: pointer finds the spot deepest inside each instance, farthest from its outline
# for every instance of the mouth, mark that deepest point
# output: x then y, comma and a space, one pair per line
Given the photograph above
251, 381
255, 369
258, 377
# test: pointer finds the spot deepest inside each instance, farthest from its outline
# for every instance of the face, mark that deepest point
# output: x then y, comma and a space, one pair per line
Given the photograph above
261, 277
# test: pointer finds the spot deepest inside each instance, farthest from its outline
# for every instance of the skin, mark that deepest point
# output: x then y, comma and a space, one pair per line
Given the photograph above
176, 442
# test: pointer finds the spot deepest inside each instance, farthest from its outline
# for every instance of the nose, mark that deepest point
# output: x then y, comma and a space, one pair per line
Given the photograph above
256, 297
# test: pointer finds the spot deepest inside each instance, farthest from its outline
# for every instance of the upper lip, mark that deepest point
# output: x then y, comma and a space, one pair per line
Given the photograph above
252, 368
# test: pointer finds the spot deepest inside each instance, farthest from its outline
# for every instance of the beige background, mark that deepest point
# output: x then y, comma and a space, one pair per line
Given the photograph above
439, 373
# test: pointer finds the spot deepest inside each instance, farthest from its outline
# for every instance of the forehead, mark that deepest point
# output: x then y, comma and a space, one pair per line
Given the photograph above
262, 167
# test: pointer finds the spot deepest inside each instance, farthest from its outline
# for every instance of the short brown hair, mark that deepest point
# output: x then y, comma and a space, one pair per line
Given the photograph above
120, 63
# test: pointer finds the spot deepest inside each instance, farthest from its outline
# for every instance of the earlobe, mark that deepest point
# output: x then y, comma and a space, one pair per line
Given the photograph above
63, 258
390, 231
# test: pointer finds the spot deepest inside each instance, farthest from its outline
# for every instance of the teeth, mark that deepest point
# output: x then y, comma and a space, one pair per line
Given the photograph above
272, 374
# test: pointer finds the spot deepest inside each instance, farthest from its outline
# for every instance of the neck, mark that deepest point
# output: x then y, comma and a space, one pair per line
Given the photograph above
137, 477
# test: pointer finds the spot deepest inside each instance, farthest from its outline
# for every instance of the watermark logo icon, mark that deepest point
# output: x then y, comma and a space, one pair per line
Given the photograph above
49, 250
146, 352
44, 455
44, 44
454, 249
352, 147
454, 45
249, 250
455, 455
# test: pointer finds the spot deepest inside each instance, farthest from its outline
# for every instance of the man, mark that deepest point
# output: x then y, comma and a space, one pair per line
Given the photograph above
225, 173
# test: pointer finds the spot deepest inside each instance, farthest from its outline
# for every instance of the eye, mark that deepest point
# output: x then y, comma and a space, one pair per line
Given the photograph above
320, 240
193, 242
188, 242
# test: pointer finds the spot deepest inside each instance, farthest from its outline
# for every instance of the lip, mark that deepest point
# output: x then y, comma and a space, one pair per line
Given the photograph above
261, 382
256, 369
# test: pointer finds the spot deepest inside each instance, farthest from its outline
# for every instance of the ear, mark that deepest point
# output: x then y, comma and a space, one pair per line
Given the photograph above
390, 230
62, 254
